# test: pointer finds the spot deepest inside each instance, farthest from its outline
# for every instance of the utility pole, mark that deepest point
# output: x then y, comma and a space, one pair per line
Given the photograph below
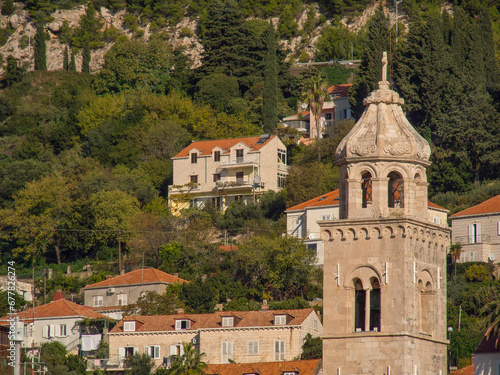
397, 2
120, 252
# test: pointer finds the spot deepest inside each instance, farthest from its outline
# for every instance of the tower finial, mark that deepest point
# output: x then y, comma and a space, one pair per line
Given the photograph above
384, 66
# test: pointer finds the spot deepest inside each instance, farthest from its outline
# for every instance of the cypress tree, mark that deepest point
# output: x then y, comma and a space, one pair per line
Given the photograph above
72, 63
66, 59
86, 57
270, 93
40, 47
370, 70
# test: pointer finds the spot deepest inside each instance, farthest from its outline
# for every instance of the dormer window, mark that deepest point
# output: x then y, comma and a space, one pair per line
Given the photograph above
239, 155
280, 320
228, 321
216, 155
194, 158
181, 324
129, 326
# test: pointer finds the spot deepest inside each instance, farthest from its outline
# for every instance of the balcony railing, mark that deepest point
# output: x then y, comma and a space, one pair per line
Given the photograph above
470, 240
238, 161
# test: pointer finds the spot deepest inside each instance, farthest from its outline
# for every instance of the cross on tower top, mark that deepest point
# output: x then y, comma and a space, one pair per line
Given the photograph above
384, 67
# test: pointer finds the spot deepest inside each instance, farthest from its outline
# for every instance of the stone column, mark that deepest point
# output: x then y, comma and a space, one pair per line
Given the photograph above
367, 308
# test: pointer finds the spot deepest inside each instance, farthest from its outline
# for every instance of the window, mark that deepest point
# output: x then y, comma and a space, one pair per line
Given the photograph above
239, 177
366, 188
436, 220
176, 350
194, 158
313, 247
279, 350
128, 326
193, 179
281, 180
326, 217
375, 306
226, 351
182, 324
49, 331
216, 177
280, 320
216, 155
227, 321
359, 306
239, 156
281, 156
98, 301
122, 299
63, 332
475, 233
153, 351
130, 351
395, 190
253, 348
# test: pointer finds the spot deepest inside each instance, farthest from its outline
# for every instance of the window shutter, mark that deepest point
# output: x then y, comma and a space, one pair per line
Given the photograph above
156, 351
181, 349
178, 324
121, 353
57, 330
188, 324
45, 331
282, 351
146, 350
478, 232
230, 350
52, 330
136, 350
276, 350
173, 349
471, 233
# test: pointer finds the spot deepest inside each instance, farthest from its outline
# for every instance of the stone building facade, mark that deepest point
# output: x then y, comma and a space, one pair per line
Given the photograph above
385, 260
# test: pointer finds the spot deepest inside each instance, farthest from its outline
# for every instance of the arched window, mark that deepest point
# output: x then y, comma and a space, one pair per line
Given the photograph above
395, 190
366, 187
375, 306
359, 308
426, 306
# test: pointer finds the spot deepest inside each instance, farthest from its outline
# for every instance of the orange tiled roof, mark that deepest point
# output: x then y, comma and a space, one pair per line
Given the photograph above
340, 90
206, 147
489, 206
307, 367
467, 370
60, 308
331, 199
327, 199
140, 276
228, 248
198, 321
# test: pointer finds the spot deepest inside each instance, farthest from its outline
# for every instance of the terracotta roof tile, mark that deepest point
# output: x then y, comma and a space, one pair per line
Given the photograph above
328, 199
489, 206
206, 147
228, 248
331, 199
340, 90
468, 370
140, 276
60, 308
307, 367
199, 321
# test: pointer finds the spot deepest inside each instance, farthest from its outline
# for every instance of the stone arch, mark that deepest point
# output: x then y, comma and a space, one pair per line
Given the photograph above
388, 232
425, 302
326, 235
338, 235
350, 234
375, 232
400, 230
363, 234
366, 189
395, 190
365, 273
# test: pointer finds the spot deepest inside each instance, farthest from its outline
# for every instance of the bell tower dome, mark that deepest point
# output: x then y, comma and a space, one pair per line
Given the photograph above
382, 161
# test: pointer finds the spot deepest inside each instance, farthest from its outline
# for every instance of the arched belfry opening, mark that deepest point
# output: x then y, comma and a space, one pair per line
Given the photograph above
366, 189
395, 190
359, 306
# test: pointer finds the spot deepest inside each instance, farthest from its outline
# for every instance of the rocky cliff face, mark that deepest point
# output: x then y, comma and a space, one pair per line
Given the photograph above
20, 42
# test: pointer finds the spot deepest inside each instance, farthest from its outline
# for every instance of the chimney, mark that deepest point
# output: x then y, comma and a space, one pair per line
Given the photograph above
265, 306
58, 296
180, 311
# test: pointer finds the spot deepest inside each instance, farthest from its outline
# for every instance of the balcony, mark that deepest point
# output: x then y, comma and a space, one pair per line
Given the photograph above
238, 183
238, 162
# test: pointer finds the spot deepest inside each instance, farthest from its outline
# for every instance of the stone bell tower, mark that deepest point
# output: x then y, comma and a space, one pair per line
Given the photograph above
385, 259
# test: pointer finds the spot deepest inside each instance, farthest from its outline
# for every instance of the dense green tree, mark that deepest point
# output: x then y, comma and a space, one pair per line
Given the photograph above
6, 300
312, 348
132, 64
152, 303
222, 92
139, 364
335, 43
66, 59
89, 31
369, 73
8, 7
13, 72
86, 57
270, 92
287, 26
199, 296
40, 47
72, 62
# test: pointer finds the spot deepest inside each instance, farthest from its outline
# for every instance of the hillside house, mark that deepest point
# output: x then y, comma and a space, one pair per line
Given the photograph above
477, 229
306, 367
224, 336
223, 171
109, 296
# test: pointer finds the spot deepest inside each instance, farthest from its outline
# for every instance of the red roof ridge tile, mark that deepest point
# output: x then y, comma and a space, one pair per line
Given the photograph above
489, 206
147, 276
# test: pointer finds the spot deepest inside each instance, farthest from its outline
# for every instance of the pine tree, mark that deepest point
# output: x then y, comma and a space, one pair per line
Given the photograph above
8, 7
72, 62
40, 47
86, 57
270, 93
66, 59
369, 72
